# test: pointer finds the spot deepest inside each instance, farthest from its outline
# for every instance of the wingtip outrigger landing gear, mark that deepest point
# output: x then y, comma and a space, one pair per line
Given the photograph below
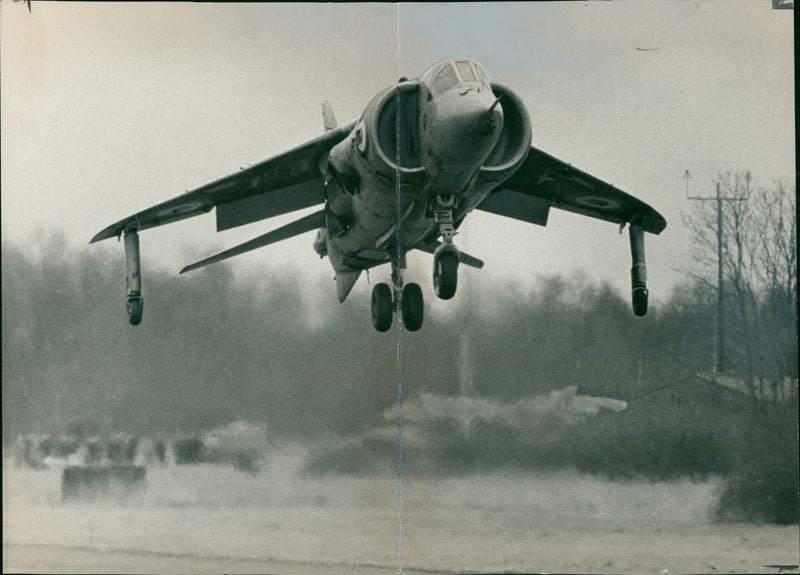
134, 301
638, 270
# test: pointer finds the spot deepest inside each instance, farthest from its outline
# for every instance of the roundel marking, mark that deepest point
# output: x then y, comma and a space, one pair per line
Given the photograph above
597, 202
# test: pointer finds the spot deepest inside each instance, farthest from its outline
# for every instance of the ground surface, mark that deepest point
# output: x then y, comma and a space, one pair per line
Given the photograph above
213, 519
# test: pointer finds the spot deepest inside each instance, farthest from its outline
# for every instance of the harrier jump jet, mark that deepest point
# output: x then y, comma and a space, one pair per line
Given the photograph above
422, 156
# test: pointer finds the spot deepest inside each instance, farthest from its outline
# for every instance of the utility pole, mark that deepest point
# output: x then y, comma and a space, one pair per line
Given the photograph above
719, 363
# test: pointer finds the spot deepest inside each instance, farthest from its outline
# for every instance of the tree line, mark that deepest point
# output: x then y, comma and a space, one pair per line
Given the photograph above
215, 348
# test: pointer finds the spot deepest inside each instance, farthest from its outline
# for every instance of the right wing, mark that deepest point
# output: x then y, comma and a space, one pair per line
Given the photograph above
544, 181
285, 183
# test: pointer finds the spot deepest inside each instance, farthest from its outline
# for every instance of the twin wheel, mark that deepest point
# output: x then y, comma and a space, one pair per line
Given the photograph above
383, 307
411, 308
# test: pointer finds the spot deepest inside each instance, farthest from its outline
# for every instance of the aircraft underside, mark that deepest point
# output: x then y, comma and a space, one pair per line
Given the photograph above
376, 240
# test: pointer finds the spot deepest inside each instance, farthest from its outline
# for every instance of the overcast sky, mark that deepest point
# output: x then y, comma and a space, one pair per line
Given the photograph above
108, 109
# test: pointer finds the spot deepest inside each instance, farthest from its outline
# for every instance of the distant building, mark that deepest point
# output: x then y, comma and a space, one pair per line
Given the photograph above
716, 391
692, 403
785, 390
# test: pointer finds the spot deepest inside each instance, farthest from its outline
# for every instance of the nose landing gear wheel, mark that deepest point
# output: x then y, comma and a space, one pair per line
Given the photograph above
382, 307
445, 275
412, 307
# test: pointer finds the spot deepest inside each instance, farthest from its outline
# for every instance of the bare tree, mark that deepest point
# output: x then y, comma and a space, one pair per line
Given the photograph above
759, 264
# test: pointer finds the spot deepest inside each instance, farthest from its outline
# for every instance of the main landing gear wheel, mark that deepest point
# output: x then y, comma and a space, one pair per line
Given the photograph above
412, 307
445, 275
382, 307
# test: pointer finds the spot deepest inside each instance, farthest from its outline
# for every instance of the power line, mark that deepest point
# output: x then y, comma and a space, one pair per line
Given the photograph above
660, 388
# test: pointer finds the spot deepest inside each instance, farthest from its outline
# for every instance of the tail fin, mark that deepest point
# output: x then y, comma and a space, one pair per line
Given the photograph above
327, 116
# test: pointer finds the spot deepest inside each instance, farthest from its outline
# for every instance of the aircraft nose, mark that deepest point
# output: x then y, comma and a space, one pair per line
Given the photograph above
474, 121
457, 136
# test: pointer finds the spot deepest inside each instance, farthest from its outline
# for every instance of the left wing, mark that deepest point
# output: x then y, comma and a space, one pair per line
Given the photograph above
285, 183
544, 181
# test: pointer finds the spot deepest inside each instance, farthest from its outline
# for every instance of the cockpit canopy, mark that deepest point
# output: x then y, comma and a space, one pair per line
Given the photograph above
448, 74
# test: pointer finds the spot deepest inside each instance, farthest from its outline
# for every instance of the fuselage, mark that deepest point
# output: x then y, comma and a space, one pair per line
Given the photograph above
449, 136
